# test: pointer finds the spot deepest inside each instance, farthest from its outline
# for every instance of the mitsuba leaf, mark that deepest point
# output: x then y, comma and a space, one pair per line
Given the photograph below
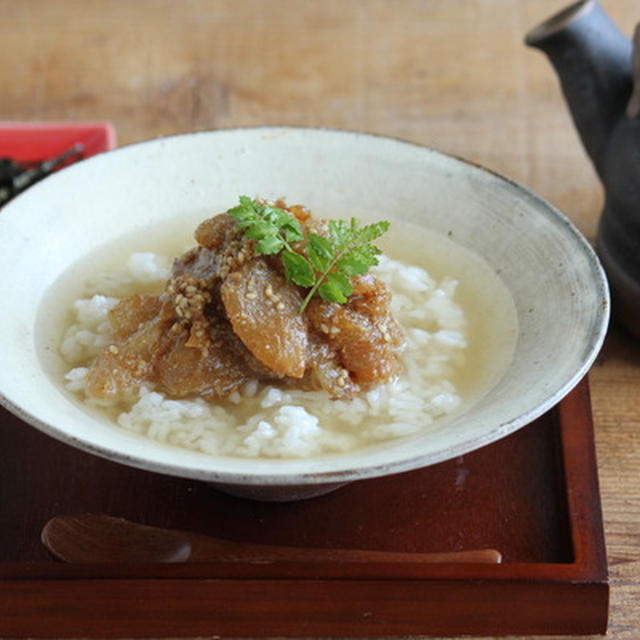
276, 216
341, 281
340, 233
352, 264
292, 229
261, 229
331, 292
293, 232
297, 269
269, 245
248, 203
365, 255
372, 231
319, 251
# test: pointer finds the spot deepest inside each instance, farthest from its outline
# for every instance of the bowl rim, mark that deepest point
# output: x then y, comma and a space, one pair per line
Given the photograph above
349, 473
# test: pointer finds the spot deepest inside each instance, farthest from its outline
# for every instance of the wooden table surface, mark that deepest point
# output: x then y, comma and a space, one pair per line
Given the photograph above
452, 74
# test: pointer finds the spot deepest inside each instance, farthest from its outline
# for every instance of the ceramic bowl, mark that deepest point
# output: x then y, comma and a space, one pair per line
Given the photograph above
557, 284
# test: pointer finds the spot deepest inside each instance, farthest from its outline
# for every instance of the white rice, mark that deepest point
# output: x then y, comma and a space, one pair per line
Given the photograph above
263, 420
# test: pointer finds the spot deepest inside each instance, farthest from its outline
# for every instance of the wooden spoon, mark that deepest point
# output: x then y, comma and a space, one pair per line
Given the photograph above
101, 538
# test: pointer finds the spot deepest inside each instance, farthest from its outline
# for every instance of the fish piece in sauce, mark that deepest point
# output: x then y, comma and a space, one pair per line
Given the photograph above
264, 312
215, 232
324, 370
211, 369
362, 331
127, 316
180, 357
129, 362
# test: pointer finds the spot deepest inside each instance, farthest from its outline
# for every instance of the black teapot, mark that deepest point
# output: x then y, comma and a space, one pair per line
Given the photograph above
600, 76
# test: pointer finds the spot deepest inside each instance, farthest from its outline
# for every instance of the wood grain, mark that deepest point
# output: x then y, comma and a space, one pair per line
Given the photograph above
452, 74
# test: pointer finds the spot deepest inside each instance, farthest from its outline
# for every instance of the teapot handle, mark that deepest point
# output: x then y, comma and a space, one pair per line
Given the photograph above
633, 106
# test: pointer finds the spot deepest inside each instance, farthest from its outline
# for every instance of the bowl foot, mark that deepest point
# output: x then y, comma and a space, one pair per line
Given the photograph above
277, 493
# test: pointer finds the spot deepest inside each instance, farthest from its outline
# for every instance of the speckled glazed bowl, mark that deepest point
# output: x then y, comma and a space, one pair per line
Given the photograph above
556, 282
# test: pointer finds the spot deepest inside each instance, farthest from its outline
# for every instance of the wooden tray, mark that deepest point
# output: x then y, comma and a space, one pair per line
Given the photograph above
533, 495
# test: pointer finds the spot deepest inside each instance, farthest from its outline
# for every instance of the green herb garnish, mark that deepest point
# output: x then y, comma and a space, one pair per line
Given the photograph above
323, 265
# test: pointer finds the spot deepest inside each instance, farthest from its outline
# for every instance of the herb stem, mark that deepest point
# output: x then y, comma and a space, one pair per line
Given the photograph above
321, 279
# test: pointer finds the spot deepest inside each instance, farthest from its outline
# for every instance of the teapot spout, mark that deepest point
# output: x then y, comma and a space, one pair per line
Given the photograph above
592, 58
